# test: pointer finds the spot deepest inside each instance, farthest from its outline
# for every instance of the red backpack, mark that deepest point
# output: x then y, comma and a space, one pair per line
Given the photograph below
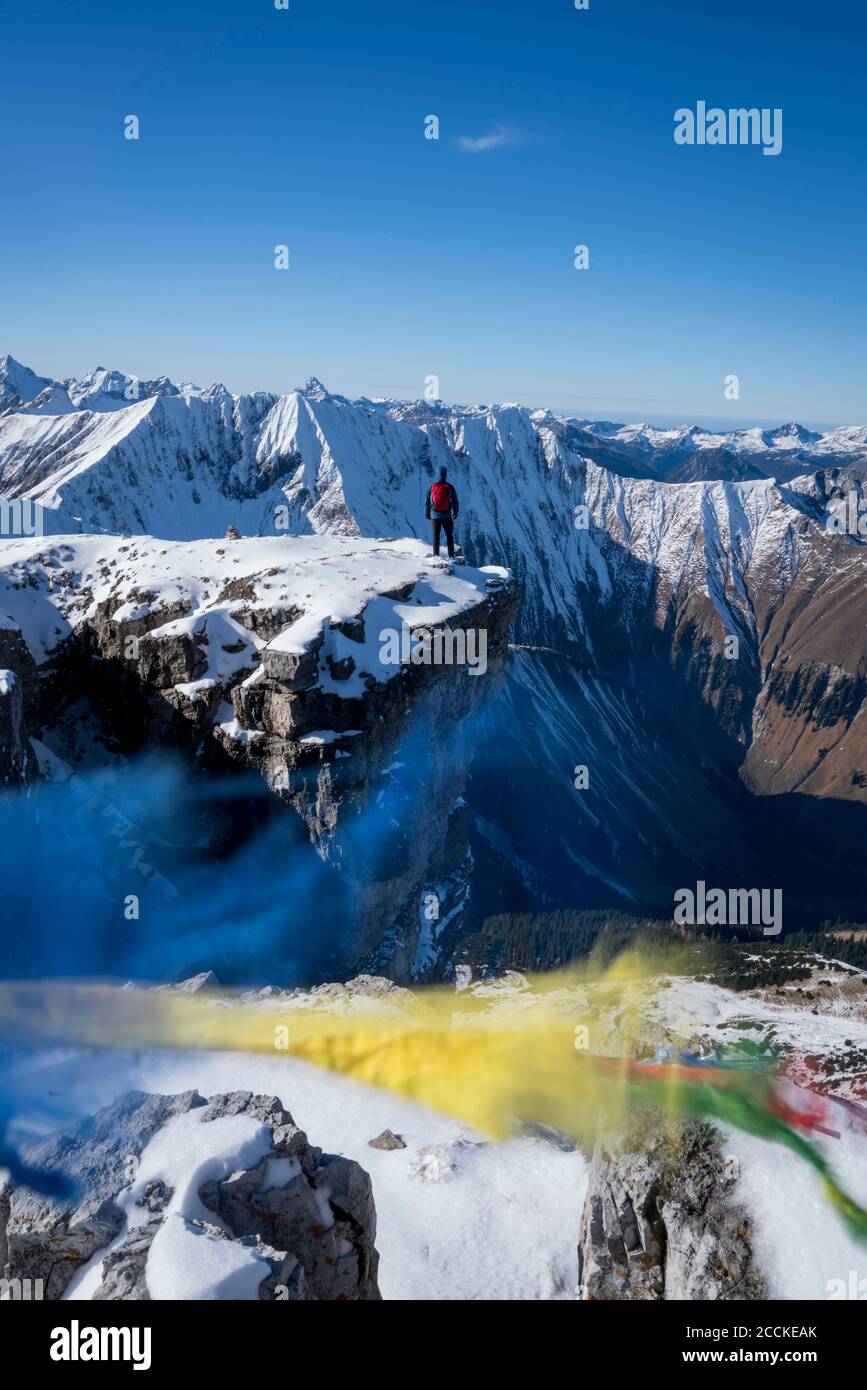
441, 497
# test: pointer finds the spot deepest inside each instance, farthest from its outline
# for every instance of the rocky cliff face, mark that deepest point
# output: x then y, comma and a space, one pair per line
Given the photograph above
289, 1223
338, 676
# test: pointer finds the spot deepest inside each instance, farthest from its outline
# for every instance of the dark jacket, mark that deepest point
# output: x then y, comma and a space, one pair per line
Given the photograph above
453, 503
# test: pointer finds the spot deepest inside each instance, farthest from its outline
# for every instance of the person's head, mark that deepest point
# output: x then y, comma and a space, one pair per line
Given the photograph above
444, 473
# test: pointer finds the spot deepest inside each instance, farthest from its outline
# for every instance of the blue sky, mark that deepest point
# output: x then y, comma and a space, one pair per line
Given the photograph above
412, 258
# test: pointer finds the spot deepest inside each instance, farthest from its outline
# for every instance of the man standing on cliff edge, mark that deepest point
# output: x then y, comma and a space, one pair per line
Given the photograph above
441, 507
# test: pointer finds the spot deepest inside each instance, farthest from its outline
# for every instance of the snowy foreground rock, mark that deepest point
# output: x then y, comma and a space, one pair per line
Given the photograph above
179, 1197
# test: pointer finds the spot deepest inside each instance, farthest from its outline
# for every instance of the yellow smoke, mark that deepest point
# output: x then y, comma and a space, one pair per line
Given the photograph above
490, 1059
493, 1059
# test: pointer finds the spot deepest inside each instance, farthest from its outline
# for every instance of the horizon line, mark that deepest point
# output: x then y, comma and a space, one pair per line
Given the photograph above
671, 419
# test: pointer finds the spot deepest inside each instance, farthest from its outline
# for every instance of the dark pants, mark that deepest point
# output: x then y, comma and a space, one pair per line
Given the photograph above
446, 524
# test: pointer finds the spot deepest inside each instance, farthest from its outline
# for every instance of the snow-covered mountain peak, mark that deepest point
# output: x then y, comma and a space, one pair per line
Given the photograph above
104, 389
791, 435
18, 383
314, 390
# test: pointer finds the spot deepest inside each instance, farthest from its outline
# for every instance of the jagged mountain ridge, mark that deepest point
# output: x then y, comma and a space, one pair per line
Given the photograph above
62, 447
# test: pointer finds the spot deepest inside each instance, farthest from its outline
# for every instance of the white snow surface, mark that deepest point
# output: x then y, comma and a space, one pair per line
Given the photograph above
186, 1154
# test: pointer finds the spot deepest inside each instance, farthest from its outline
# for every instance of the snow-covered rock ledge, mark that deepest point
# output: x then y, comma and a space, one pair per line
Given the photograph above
230, 632
256, 590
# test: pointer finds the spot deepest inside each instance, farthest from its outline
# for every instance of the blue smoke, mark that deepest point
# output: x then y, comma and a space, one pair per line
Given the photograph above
154, 872
51, 1183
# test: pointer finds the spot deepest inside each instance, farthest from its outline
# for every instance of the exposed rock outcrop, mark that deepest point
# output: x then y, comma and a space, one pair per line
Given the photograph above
308, 1216
661, 1220
387, 1141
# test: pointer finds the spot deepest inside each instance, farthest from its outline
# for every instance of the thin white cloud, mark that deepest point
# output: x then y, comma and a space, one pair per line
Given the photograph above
499, 139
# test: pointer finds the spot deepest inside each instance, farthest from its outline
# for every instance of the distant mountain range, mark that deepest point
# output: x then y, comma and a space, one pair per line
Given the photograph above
64, 443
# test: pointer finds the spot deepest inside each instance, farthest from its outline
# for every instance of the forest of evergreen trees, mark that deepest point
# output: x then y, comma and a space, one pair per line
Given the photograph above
850, 952
740, 959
